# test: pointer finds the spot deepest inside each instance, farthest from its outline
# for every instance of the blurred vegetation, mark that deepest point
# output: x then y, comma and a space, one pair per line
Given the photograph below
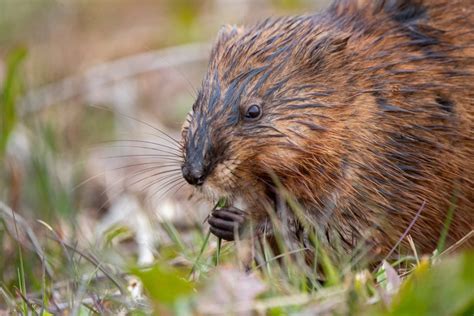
10, 92
50, 260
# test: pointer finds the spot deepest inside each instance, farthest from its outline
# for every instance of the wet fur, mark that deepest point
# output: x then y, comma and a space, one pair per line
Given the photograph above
367, 117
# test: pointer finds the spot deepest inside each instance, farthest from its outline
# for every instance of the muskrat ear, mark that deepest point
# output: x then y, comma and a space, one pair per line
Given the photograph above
318, 52
227, 32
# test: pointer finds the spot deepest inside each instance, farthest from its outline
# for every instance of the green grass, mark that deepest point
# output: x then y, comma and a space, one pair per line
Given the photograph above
92, 281
9, 93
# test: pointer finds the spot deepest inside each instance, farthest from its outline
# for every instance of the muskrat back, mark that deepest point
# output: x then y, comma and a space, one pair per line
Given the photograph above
362, 114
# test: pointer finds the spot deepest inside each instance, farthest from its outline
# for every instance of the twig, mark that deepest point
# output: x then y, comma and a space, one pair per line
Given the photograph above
66, 252
60, 285
89, 257
25, 299
405, 233
90, 301
280, 256
9, 215
457, 244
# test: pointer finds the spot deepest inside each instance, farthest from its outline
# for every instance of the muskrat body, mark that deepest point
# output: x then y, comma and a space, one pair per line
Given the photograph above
362, 115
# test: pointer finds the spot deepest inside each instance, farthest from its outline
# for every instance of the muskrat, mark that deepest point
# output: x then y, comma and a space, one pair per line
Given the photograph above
362, 115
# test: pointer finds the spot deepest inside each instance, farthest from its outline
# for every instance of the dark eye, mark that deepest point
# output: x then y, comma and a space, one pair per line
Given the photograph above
253, 112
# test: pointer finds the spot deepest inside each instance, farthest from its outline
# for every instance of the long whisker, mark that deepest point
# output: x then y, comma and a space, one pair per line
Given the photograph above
180, 145
147, 148
113, 185
150, 169
166, 187
171, 188
88, 180
167, 157
160, 180
154, 175
157, 163
139, 121
194, 91
177, 150
140, 172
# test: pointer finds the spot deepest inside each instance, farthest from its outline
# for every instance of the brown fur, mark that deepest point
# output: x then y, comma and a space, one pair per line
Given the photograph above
367, 117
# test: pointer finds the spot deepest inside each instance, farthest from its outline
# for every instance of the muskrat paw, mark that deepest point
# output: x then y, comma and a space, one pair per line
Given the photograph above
227, 222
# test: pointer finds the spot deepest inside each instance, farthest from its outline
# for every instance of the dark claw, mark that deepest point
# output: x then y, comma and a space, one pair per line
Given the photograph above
223, 234
226, 222
223, 224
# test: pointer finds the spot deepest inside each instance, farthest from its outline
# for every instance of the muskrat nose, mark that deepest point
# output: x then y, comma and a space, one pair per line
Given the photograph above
194, 176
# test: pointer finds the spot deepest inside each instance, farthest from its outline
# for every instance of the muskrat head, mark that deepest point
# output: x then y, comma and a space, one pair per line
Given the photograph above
251, 117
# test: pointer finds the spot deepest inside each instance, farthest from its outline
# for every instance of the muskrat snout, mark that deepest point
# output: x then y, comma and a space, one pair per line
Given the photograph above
193, 173
197, 165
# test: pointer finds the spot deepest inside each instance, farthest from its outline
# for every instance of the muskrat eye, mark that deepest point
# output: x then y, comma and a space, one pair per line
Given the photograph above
253, 112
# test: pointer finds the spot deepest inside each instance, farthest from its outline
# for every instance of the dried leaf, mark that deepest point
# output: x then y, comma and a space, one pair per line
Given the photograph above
393, 280
230, 288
